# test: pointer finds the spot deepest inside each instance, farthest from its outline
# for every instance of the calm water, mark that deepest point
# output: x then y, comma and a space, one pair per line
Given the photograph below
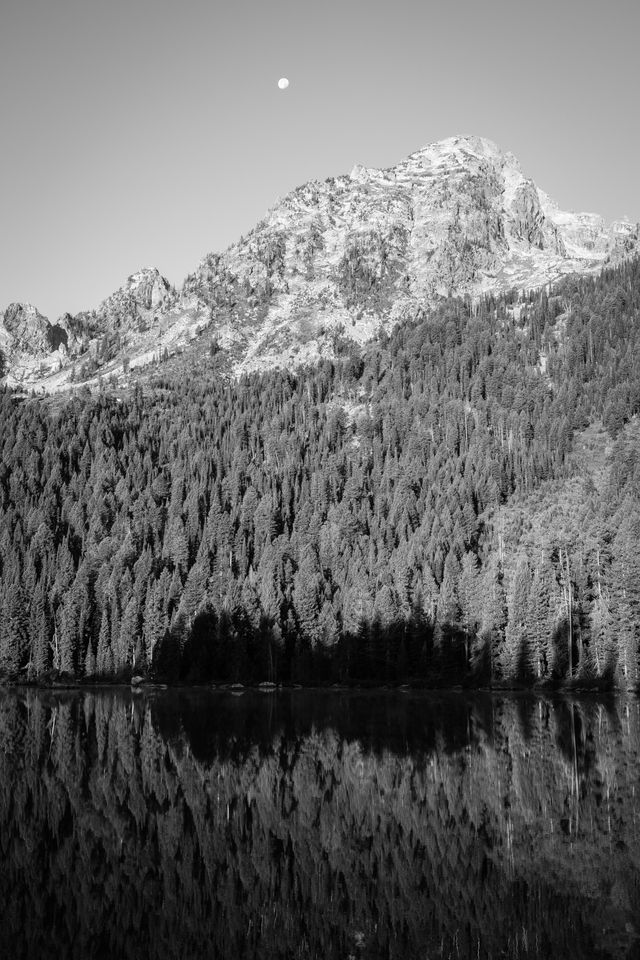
207, 825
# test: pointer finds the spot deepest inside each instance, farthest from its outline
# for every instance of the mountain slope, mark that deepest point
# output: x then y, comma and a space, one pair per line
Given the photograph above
343, 258
439, 505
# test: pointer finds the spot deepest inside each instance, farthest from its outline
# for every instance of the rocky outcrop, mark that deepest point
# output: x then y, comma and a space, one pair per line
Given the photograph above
142, 294
28, 331
527, 221
30, 347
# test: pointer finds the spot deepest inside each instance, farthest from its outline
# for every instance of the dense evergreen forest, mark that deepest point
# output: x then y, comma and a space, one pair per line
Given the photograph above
458, 502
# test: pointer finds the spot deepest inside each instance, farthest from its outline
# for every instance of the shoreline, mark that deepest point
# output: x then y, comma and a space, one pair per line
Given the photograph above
145, 685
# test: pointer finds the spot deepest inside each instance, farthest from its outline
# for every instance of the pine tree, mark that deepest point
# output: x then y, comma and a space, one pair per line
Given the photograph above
104, 655
516, 662
488, 654
539, 624
605, 653
67, 637
154, 621
448, 605
175, 547
449, 648
128, 652
90, 661
195, 590
306, 599
39, 631
14, 637
625, 595
469, 597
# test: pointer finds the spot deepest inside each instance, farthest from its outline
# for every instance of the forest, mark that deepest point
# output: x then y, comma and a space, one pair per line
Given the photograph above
457, 502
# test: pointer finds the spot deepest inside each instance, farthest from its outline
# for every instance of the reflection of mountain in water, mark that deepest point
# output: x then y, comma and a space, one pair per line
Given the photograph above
202, 825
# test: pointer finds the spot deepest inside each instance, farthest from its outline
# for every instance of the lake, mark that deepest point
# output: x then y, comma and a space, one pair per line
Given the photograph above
300, 824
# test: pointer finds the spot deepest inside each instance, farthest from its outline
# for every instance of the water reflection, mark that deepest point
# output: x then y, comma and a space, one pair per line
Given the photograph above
199, 824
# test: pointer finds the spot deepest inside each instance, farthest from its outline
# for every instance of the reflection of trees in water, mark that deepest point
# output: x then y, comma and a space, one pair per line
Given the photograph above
292, 826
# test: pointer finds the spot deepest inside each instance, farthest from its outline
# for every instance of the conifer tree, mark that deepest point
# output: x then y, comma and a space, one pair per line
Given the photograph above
539, 624
154, 619
516, 659
128, 650
488, 653
67, 637
14, 638
90, 661
469, 598
104, 655
602, 638
306, 598
39, 631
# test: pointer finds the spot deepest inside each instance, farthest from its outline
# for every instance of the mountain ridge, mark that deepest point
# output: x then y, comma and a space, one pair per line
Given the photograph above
343, 257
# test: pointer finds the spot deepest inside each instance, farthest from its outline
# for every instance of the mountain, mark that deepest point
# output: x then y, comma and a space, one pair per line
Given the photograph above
333, 259
341, 257
40, 353
362, 251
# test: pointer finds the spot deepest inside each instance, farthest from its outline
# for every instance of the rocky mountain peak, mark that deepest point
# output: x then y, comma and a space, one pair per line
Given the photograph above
17, 315
358, 252
352, 254
144, 290
26, 330
459, 146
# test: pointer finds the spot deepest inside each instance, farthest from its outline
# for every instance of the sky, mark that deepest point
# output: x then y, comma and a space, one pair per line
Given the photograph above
141, 133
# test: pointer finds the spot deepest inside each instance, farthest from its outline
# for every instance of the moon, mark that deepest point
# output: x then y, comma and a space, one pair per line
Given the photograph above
283, 83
